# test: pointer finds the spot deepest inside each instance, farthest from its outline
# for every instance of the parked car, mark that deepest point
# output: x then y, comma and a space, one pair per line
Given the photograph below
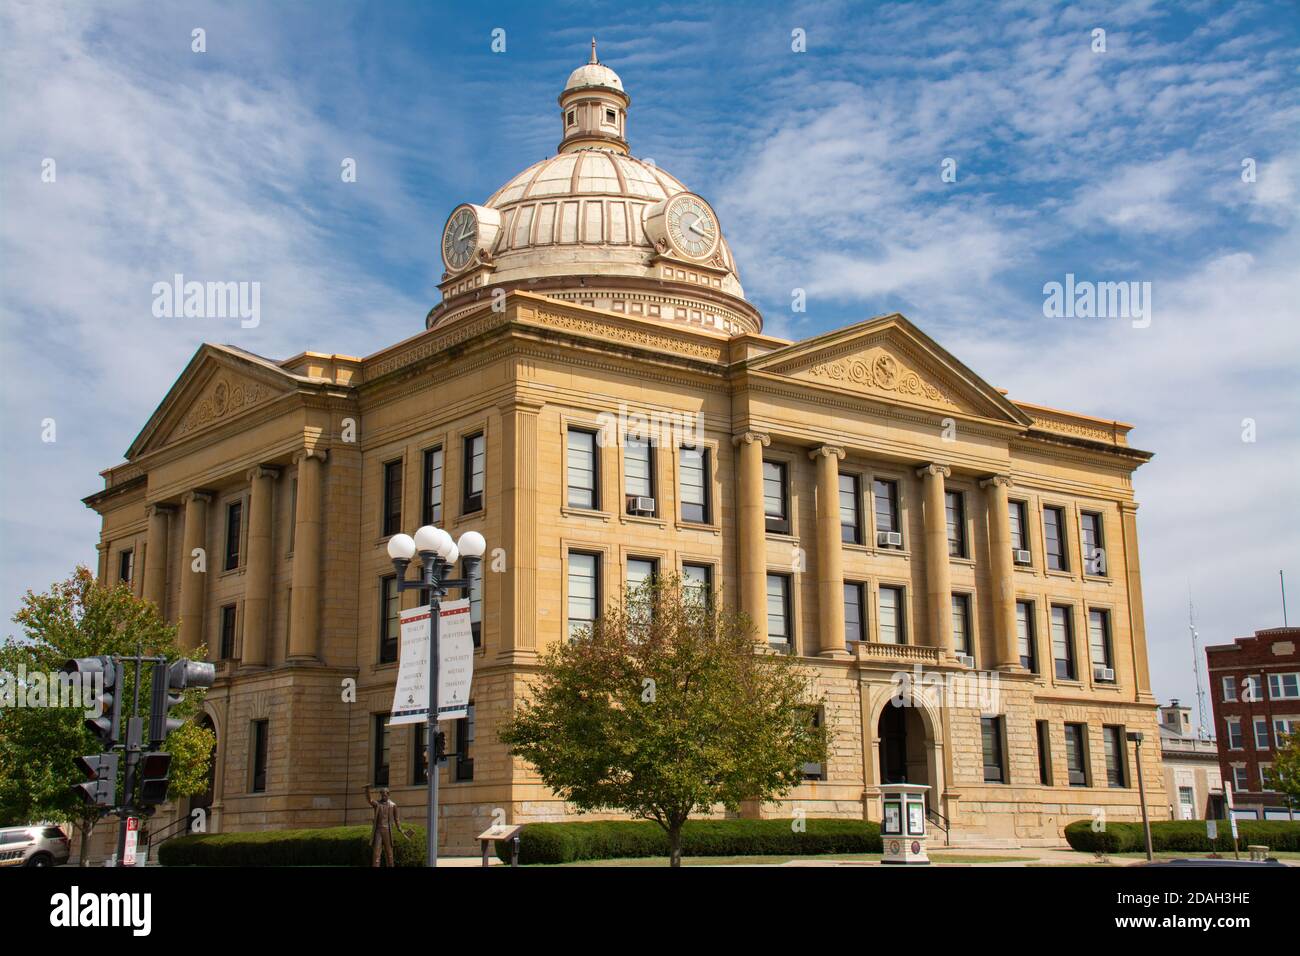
34, 846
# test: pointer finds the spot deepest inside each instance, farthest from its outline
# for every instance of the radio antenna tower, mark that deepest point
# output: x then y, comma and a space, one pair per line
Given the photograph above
1202, 729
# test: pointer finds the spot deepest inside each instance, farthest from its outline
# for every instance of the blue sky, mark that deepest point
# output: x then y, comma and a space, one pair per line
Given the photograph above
1122, 165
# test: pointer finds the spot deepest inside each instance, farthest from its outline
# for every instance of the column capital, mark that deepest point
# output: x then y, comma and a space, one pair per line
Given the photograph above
196, 495
996, 481
750, 437
158, 508
935, 470
827, 451
262, 471
320, 454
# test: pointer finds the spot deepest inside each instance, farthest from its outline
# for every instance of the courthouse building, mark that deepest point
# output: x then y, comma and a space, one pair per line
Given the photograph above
597, 397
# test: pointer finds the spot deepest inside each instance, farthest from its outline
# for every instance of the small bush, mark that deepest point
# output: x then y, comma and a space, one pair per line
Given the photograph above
1182, 835
329, 846
610, 839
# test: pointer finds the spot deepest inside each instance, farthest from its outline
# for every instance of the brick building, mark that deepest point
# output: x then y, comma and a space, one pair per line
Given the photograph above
1255, 686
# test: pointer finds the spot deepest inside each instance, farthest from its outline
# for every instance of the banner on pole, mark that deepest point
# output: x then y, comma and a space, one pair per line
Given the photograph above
455, 660
411, 695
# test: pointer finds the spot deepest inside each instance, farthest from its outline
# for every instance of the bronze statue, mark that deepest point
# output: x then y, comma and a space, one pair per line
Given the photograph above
386, 818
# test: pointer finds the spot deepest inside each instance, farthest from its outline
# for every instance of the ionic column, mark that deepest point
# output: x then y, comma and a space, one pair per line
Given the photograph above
304, 624
257, 575
1003, 572
938, 581
155, 556
194, 569
752, 529
830, 558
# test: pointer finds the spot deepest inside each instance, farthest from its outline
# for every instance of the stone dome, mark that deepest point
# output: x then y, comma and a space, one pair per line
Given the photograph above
574, 226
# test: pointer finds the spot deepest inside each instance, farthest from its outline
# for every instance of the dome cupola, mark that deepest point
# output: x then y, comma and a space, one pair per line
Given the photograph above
593, 108
596, 226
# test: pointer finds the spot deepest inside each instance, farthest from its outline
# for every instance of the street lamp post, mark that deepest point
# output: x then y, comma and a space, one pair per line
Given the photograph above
1136, 737
438, 555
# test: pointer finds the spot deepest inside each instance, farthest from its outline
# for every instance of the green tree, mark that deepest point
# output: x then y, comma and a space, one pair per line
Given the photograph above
80, 617
1284, 775
665, 708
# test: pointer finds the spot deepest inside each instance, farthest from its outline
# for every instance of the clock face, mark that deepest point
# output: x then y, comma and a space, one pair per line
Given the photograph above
692, 227
460, 238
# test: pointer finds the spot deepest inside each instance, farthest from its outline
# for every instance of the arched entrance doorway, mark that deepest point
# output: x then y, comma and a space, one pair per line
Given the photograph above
904, 749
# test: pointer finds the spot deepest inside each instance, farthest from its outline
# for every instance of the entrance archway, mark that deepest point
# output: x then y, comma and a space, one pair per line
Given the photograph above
205, 799
905, 751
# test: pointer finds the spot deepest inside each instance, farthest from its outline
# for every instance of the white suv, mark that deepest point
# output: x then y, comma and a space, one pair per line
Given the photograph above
34, 846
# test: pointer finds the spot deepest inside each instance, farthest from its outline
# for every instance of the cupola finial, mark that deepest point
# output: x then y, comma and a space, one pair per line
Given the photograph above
593, 51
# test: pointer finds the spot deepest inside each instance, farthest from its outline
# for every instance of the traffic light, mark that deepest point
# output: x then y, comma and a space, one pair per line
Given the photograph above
439, 747
109, 701
101, 789
169, 682
154, 778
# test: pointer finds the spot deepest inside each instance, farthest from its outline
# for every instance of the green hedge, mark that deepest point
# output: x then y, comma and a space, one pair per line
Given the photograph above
1186, 835
331, 846
610, 839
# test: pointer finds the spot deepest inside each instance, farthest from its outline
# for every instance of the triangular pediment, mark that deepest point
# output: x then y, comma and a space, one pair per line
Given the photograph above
890, 359
219, 384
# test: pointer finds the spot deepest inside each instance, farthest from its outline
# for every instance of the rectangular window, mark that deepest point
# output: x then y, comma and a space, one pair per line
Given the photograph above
419, 758
1094, 546
125, 565
890, 617
581, 469
851, 509
584, 592
258, 751
1026, 638
641, 570
392, 497
379, 777
1234, 733
884, 492
855, 618
961, 637
475, 599
1251, 689
234, 523
1229, 688
697, 581
1113, 742
1076, 754
464, 742
638, 474
779, 629
814, 771
776, 503
431, 506
1282, 727
694, 481
1099, 642
1240, 780
995, 770
1284, 686
228, 632
1016, 510
1063, 642
1261, 733
474, 470
1264, 785
955, 507
1044, 735
390, 622
1054, 538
